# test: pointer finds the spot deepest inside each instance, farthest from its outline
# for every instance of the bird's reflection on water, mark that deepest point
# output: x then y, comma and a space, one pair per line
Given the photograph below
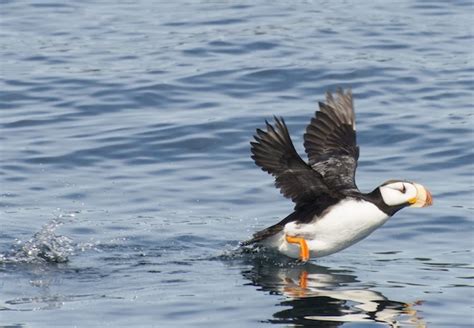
323, 297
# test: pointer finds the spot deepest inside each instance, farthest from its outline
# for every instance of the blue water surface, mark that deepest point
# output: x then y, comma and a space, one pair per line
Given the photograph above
126, 180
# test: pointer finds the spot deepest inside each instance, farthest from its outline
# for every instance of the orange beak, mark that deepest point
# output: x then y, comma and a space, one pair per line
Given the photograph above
423, 197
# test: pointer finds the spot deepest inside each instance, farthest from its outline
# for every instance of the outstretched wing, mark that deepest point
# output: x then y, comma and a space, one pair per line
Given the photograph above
274, 152
330, 141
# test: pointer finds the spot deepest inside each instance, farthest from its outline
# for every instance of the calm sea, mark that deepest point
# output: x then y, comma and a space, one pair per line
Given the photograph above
125, 174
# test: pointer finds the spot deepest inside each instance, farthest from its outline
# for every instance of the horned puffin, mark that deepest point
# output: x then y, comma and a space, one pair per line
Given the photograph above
330, 212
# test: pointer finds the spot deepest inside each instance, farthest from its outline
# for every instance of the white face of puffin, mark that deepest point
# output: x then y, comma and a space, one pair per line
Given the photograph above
403, 192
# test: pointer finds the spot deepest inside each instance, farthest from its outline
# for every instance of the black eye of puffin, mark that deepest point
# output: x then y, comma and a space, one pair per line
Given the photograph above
404, 189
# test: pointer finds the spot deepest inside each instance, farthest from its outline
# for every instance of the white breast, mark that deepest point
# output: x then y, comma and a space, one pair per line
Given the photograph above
343, 225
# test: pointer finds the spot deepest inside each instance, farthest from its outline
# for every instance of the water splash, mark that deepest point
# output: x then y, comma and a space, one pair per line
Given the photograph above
256, 253
44, 247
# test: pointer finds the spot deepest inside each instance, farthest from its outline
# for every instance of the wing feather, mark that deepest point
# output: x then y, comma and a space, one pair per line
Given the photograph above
275, 153
330, 141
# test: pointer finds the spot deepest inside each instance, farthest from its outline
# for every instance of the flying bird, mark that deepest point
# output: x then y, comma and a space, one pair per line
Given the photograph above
330, 212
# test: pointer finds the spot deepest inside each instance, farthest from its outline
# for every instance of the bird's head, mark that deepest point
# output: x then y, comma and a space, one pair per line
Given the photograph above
399, 194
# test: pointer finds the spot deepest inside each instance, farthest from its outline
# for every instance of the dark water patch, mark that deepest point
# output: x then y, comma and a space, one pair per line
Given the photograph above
223, 21
387, 45
15, 178
32, 123
18, 98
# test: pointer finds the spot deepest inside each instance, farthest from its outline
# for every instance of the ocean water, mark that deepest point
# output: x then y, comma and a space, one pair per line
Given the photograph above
126, 181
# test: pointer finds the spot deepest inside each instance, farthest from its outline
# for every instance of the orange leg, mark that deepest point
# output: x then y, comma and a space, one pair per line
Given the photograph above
304, 279
304, 250
302, 290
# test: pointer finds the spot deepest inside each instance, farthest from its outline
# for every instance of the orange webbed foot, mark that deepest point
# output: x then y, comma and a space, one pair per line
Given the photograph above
304, 250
